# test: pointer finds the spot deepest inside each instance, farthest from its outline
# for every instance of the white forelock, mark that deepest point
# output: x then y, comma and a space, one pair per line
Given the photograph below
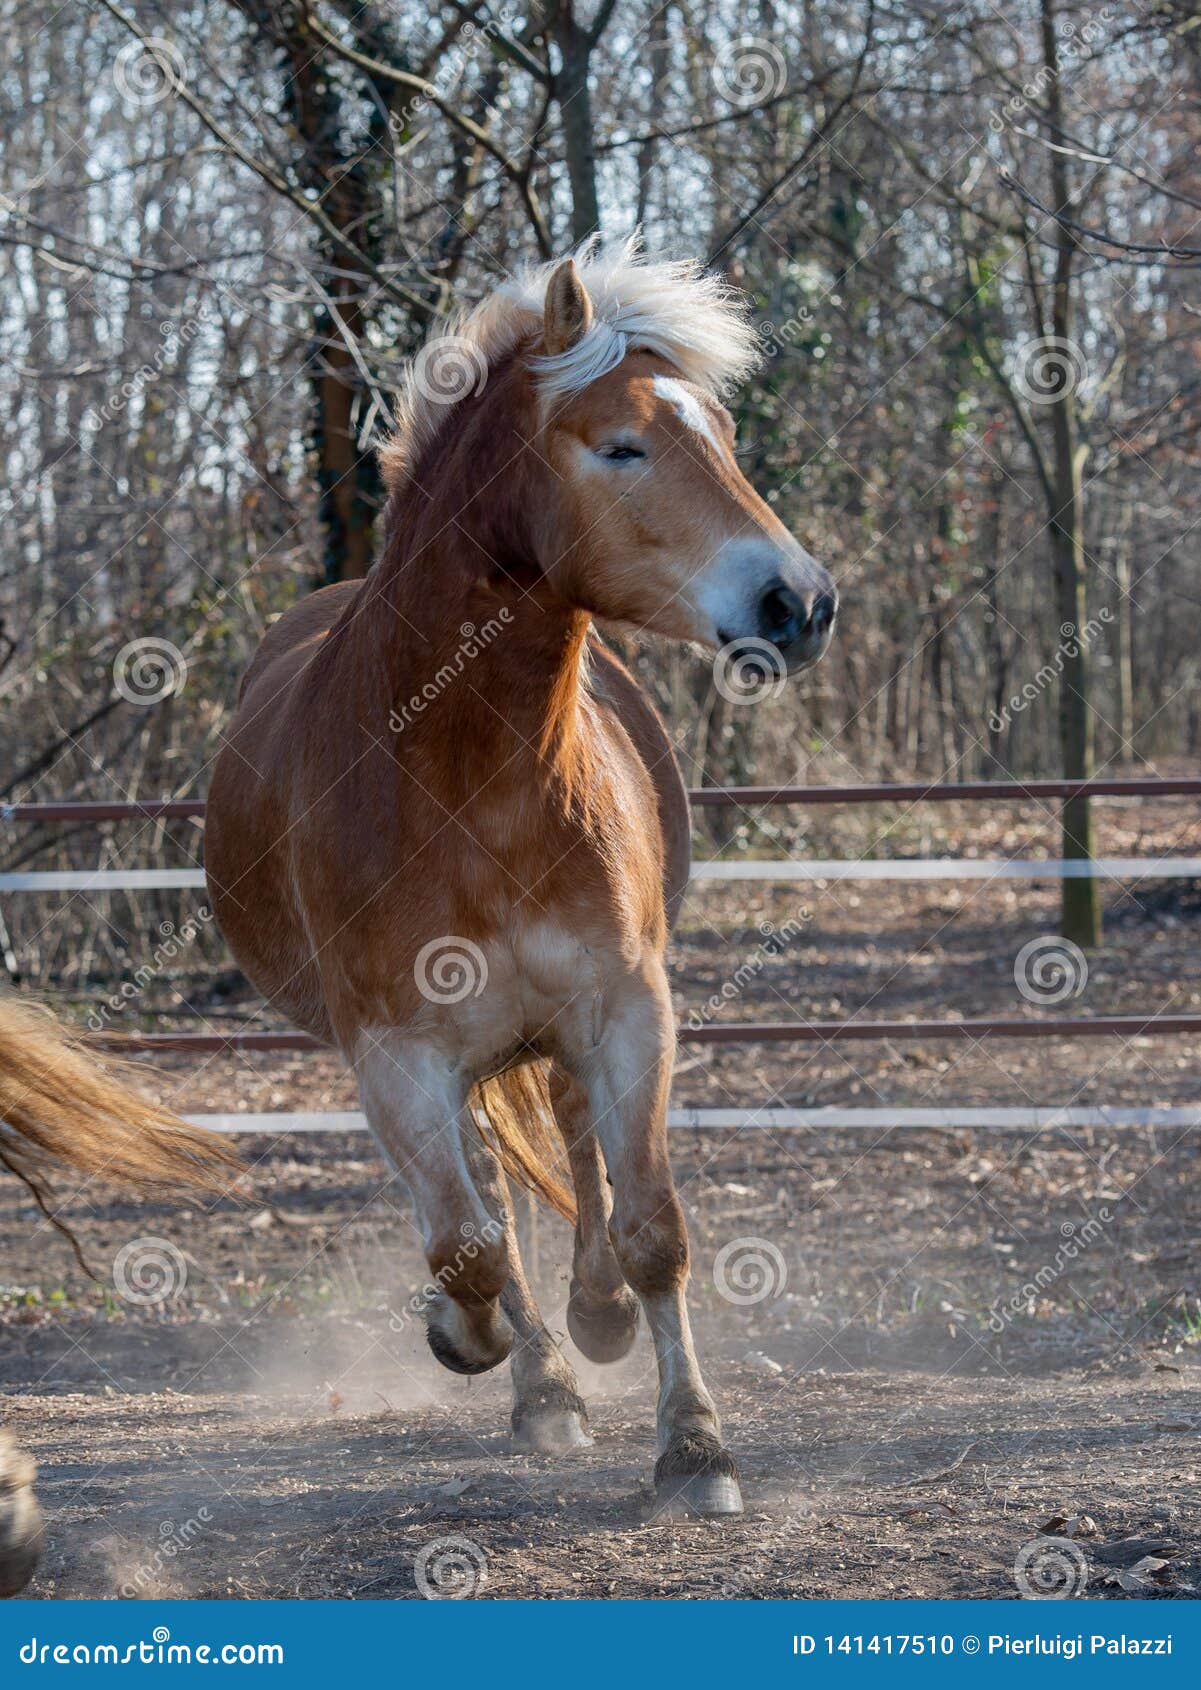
693, 320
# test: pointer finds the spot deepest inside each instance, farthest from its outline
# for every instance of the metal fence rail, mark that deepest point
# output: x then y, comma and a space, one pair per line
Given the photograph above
912, 792
746, 1032
919, 868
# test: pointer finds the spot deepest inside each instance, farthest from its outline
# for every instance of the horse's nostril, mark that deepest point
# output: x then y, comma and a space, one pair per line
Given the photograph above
824, 610
796, 621
785, 614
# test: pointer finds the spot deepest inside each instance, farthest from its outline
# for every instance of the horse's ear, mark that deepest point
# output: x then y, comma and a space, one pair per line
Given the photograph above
568, 314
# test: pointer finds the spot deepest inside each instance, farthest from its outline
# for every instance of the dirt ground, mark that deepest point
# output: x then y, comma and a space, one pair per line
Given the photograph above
927, 1346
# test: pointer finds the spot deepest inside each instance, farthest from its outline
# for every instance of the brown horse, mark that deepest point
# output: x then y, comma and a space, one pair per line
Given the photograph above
59, 1109
447, 832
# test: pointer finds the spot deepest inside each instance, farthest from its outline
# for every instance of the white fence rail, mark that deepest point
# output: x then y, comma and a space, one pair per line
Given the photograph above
776, 868
780, 1120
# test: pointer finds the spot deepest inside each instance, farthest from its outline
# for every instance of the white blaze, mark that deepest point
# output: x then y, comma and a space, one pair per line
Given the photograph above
686, 405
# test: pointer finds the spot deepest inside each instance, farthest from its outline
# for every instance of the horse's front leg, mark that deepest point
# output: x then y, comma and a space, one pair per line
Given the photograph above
628, 1076
416, 1106
21, 1529
549, 1415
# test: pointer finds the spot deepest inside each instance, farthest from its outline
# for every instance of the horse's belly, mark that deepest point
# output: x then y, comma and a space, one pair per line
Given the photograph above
253, 897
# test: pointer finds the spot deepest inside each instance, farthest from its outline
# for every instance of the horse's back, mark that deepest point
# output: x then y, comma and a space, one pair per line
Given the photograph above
248, 826
293, 639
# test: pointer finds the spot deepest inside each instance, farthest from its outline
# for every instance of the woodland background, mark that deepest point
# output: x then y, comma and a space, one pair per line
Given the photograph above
971, 236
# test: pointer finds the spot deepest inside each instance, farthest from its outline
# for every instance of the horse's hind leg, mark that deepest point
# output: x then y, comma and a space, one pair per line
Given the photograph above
21, 1528
418, 1113
602, 1312
549, 1415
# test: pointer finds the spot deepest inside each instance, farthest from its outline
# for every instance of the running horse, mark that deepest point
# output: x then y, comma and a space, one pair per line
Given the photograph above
447, 833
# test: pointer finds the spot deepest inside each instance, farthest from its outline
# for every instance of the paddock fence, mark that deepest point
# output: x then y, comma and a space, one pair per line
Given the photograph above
798, 1031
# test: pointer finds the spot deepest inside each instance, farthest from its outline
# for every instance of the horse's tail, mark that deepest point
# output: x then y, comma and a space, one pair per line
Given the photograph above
518, 1120
59, 1108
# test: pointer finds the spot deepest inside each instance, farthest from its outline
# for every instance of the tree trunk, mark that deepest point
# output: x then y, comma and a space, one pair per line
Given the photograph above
648, 152
1081, 903
1125, 659
574, 100
348, 479
347, 506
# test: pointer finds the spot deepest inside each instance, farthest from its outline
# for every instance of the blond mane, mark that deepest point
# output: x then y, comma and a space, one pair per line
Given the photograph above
694, 320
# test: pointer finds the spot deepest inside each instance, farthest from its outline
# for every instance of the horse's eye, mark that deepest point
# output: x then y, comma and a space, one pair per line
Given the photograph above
621, 454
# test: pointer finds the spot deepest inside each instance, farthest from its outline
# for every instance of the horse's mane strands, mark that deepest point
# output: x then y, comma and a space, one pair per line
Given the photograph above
693, 320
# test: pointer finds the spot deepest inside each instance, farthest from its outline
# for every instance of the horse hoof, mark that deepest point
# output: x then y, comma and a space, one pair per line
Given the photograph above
697, 1495
553, 1422
556, 1433
604, 1332
465, 1345
696, 1476
22, 1531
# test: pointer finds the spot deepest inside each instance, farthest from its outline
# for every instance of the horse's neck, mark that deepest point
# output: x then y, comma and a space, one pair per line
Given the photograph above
482, 676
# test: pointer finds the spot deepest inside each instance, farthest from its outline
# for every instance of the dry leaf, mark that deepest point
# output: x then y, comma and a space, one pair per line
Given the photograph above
1149, 1573
1069, 1525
